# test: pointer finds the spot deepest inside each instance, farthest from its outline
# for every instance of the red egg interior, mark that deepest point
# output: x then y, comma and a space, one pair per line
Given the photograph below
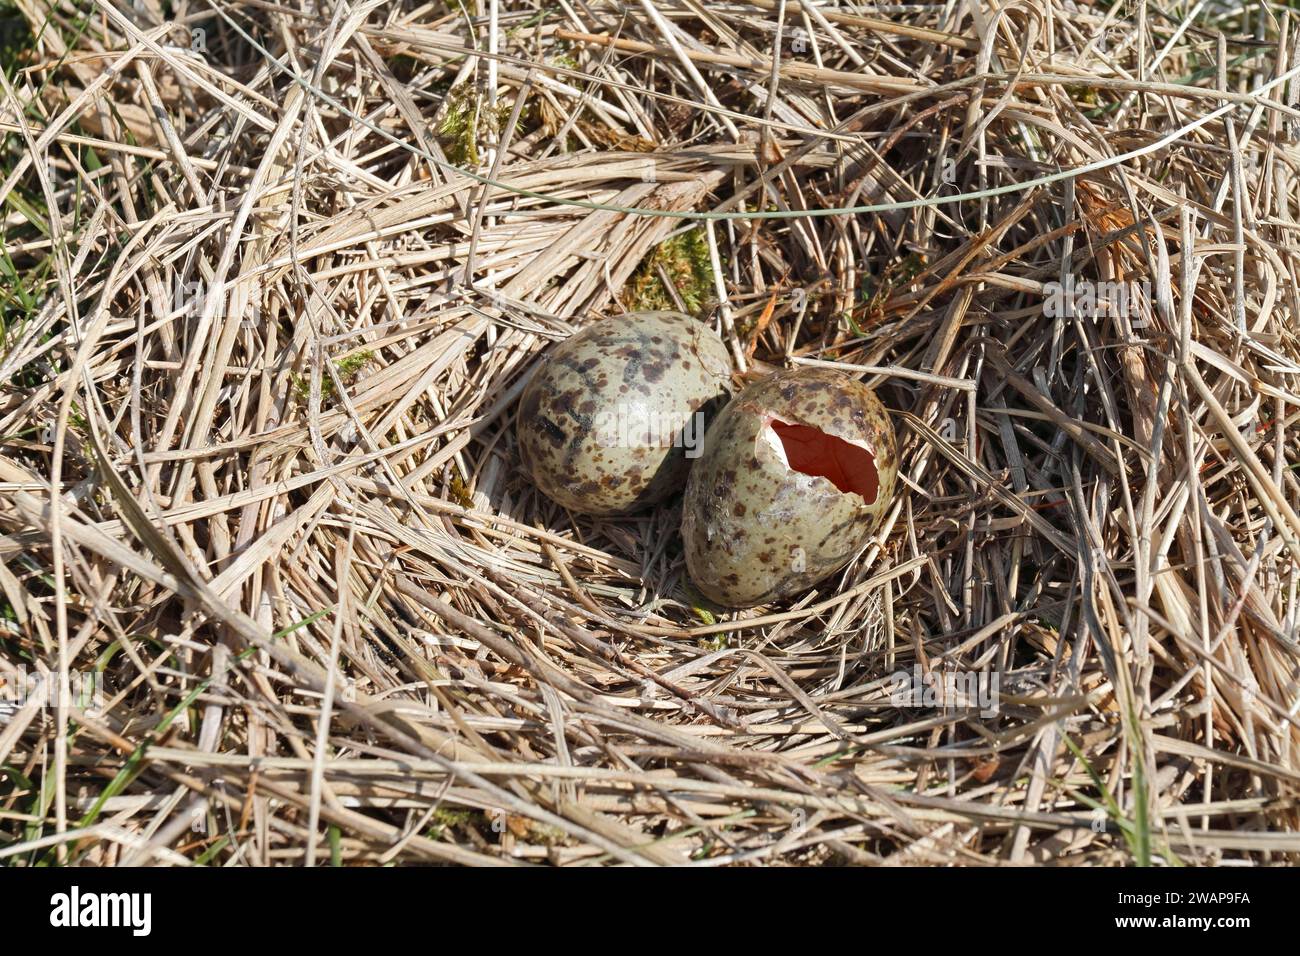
849, 467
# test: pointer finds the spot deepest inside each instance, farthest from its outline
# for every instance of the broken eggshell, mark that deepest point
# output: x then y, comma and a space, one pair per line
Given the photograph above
795, 475
614, 414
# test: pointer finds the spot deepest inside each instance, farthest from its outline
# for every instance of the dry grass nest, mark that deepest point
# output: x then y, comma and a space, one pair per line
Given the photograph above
275, 275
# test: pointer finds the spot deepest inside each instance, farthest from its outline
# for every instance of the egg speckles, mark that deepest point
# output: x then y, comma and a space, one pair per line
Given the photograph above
614, 414
795, 475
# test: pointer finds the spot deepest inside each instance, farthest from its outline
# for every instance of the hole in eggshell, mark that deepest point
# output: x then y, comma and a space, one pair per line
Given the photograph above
849, 467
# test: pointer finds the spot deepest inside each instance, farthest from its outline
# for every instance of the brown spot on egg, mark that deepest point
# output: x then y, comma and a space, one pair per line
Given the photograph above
552, 432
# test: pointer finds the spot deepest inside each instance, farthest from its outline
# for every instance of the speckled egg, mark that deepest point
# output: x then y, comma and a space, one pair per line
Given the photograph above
614, 415
795, 475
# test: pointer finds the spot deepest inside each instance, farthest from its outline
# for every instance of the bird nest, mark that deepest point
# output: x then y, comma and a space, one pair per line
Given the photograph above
278, 274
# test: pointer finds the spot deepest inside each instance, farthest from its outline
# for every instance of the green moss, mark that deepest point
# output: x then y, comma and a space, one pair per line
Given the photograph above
449, 818
685, 260
348, 366
874, 291
1082, 95
460, 489
464, 120
546, 835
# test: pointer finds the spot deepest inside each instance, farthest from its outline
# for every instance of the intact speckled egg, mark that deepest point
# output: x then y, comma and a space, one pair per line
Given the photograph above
613, 417
795, 475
